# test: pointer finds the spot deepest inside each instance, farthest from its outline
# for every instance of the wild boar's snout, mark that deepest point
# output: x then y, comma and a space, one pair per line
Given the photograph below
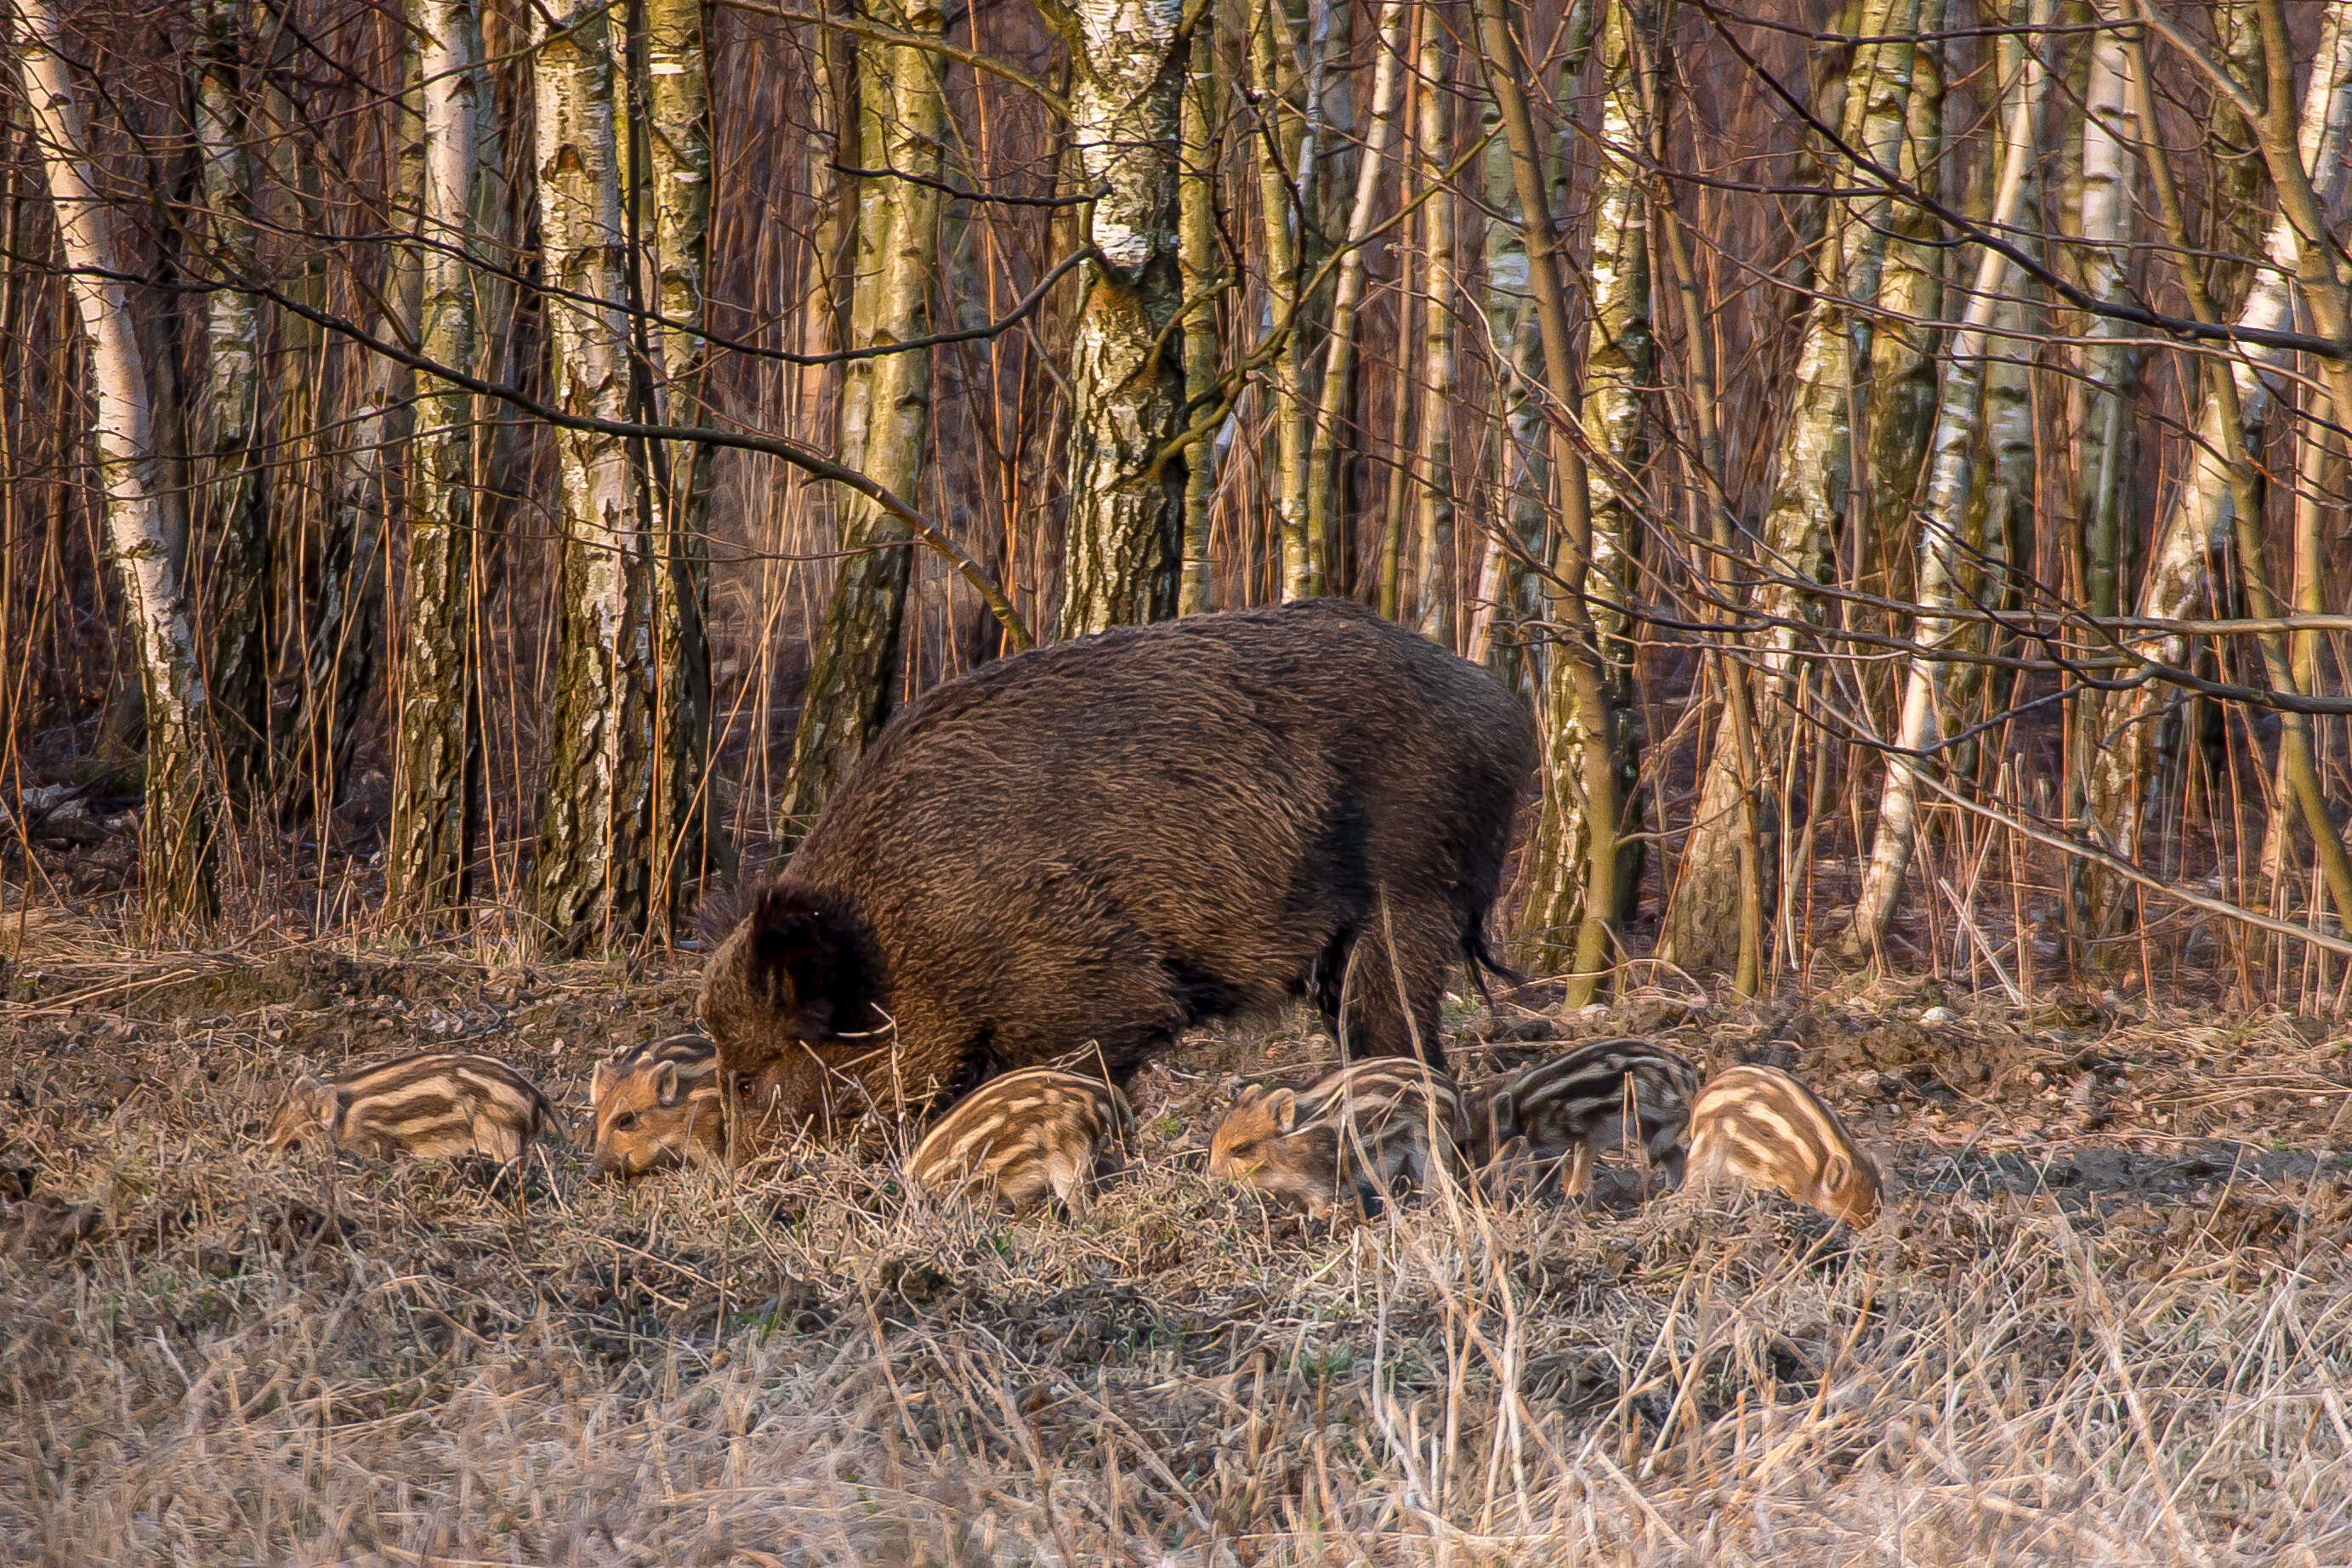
1088, 848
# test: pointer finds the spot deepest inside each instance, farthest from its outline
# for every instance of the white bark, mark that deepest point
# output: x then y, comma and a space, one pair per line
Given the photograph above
437, 785
1433, 461
1812, 474
175, 848
1942, 552
2126, 733
1119, 565
589, 879
2111, 130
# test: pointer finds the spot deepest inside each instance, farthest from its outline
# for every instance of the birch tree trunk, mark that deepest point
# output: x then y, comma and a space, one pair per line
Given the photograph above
235, 494
591, 881
2110, 364
1270, 44
1901, 416
1578, 683
1942, 552
1619, 361
1337, 394
885, 413
1126, 488
1506, 592
677, 198
1198, 270
175, 846
437, 774
1814, 470
1433, 374
2131, 732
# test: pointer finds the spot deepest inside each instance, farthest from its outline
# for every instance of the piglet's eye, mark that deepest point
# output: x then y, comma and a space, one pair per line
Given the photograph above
625, 1120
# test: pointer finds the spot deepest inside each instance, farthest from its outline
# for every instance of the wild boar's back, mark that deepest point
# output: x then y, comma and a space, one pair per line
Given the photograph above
1094, 845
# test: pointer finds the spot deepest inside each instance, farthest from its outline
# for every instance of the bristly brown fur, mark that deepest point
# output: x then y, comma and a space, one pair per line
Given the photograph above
1024, 1136
1760, 1124
1099, 844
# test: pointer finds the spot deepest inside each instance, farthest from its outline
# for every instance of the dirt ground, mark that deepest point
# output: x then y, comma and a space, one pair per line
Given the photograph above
2105, 1317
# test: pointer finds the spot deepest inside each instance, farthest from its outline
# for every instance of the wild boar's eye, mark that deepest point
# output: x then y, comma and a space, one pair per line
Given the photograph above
623, 1122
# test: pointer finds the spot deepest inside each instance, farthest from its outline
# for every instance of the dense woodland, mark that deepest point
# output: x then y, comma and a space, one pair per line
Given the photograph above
487, 465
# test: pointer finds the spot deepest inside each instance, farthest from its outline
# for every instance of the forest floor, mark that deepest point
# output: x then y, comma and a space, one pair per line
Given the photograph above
2106, 1317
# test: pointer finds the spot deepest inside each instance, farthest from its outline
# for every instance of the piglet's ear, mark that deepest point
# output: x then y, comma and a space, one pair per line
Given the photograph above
1835, 1174
666, 1084
1503, 1113
1284, 1108
596, 1082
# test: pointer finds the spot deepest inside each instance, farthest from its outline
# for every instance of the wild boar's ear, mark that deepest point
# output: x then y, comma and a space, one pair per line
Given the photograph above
666, 1084
800, 965
1283, 1108
1835, 1173
596, 1082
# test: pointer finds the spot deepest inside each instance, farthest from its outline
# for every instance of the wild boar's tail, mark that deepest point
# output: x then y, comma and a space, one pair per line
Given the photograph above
1484, 962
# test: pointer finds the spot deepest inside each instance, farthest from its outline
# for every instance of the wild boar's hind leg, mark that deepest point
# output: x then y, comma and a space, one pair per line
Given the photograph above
1401, 964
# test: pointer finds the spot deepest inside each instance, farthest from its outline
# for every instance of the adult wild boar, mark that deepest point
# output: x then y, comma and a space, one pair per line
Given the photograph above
1072, 855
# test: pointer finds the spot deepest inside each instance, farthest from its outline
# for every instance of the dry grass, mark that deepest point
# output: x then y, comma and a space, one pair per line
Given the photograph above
2095, 1326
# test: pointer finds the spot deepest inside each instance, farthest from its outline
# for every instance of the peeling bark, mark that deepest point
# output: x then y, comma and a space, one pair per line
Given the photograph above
1434, 377
175, 842
436, 789
1126, 486
591, 881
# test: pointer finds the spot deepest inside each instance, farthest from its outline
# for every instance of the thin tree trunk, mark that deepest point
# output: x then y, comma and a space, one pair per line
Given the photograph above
2127, 731
885, 414
346, 631
437, 776
677, 198
1506, 589
1576, 697
1618, 355
1302, 575
591, 883
1126, 488
1337, 394
1901, 417
1942, 554
1434, 373
2111, 130
1813, 467
235, 494
1199, 267
175, 846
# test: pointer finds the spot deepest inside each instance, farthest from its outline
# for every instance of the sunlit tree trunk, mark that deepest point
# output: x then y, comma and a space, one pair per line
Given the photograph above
1619, 361
2110, 364
1199, 268
674, 221
436, 778
176, 849
1814, 470
1901, 406
590, 882
1577, 693
1275, 137
1433, 371
1337, 394
885, 414
2129, 733
1127, 393
1943, 519
234, 500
